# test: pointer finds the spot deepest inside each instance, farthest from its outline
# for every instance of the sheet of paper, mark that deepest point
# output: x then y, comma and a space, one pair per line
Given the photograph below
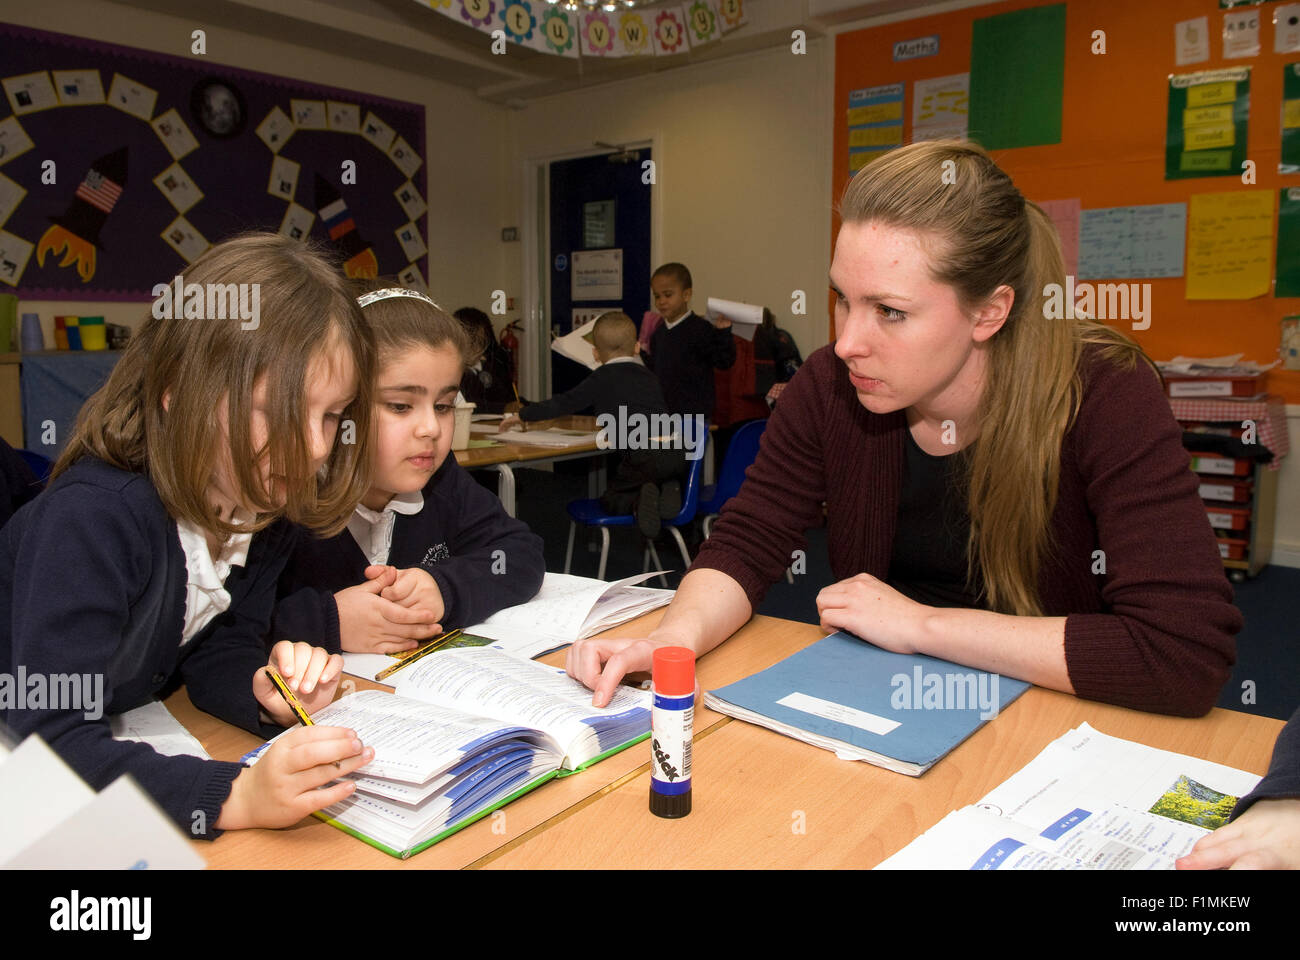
745, 317
1229, 245
119, 829
154, 724
1192, 41
940, 107
37, 792
576, 345
1064, 214
1132, 242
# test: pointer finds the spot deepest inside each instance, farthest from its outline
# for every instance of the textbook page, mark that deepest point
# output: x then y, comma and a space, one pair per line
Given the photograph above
413, 741
560, 610
154, 724
529, 694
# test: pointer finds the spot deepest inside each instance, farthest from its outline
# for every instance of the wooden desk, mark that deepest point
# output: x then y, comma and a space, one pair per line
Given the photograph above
312, 843
505, 455
753, 788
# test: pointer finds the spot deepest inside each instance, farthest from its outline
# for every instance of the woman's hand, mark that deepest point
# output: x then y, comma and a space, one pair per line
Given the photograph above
282, 787
369, 623
873, 610
312, 673
1265, 837
602, 663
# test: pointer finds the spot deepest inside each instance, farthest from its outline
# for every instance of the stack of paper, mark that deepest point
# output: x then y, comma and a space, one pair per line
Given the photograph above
549, 438
1087, 802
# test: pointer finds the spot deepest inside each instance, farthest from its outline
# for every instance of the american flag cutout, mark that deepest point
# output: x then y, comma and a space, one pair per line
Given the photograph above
99, 191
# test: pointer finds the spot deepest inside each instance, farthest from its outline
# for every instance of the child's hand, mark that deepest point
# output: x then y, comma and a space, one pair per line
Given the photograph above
415, 588
311, 673
721, 322
368, 623
281, 788
509, 423
1265, 837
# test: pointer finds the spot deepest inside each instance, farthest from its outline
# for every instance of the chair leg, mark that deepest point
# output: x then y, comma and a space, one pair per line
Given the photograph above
604, 552
568, 554
789, 577
681, 545
708, 525
649, 545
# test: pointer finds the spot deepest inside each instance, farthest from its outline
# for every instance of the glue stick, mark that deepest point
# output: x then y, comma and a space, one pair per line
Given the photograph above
672, 717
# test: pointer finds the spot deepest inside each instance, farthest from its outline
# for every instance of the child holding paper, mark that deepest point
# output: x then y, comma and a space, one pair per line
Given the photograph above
685, 349
151, 559
426, 546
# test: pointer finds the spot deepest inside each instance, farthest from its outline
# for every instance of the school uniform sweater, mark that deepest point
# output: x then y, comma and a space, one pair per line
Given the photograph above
684, 358
620, 383
455, 537
1283, 777
93, 582
1154, 631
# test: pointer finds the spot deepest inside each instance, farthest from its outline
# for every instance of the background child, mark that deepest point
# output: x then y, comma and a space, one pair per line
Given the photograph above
167, 511
622, 383
426, 546
486, 383
685, 348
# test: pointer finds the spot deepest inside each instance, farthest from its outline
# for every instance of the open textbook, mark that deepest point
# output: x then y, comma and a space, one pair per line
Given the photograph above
566, 608
464, 733
1087, 802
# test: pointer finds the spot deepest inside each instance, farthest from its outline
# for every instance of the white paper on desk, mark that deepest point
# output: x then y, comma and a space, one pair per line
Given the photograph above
483, 417
154, 724
549, 438
119, 829
745, 317
37, 791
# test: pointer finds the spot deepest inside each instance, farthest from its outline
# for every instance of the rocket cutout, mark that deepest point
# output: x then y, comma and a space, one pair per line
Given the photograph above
75, 233
360, 260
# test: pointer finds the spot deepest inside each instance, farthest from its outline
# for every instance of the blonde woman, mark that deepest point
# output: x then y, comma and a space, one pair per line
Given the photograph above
1002, 490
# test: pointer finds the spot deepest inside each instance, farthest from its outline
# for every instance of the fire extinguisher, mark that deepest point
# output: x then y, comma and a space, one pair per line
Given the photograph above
510, 343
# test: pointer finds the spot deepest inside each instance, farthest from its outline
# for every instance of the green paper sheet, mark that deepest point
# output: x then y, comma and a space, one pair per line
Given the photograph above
1288, 244
1017, 78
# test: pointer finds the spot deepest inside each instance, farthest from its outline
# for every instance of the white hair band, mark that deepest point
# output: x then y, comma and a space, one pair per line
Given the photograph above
374, 296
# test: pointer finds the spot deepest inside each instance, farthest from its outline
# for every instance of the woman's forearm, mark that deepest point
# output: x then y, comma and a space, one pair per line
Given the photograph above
708, 608
1027, 648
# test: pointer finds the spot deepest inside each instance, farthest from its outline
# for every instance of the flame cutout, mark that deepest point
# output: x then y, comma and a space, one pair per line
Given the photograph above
364, 264
58, 240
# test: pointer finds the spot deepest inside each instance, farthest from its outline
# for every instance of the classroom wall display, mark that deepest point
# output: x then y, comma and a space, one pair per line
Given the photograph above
119, 166
875, 123
1205, 133
1112, 151
642, 31
1229, 245
1017, 77
1139, 242
1287, 281
1290, 161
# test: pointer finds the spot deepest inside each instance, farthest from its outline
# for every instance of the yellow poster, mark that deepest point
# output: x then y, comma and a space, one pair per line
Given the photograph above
1229, 245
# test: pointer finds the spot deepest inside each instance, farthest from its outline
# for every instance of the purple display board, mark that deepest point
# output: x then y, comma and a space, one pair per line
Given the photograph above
134, 140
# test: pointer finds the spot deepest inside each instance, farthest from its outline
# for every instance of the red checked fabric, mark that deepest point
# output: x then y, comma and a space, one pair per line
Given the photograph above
1269, 415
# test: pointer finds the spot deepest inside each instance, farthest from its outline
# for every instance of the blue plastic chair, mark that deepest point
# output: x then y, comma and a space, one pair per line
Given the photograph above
740, 454
590, 513
38, 464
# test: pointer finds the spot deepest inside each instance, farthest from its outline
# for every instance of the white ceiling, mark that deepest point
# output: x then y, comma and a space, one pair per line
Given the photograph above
408, 36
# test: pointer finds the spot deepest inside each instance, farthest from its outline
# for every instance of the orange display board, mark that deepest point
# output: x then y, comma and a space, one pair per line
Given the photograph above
1112, 149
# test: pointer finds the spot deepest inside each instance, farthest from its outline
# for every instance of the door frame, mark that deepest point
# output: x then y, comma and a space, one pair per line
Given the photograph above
535, 341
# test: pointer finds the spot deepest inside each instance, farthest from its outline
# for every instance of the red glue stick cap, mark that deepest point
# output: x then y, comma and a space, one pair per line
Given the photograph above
674, 671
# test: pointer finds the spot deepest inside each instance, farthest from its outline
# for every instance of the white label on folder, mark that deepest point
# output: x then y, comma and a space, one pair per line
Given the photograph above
1213, 465
1204, 388
839, 713
1220, 520
1215, 491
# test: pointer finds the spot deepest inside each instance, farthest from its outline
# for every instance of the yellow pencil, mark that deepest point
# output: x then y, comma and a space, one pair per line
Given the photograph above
278, 682
425, 648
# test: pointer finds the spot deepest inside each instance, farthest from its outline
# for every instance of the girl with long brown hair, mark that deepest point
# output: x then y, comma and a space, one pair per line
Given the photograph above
1002, 489
151, 559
